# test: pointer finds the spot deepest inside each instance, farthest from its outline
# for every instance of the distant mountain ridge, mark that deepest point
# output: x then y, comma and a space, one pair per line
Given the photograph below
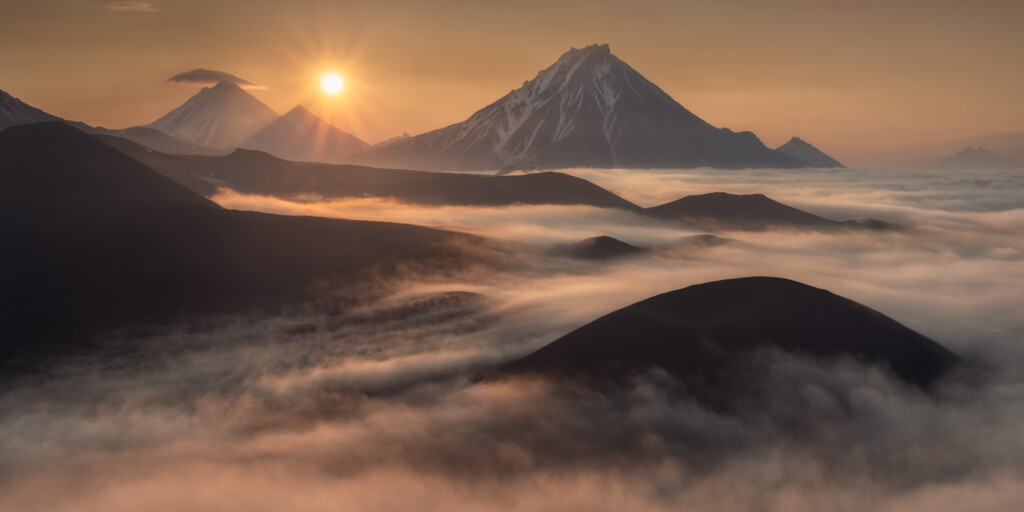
812, 156
974, 158
588, 109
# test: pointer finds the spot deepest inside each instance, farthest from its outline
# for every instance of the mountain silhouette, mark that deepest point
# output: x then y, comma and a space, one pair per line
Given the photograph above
588, 109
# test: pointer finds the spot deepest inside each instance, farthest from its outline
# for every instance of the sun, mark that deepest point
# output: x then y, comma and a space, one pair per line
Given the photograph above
332, 83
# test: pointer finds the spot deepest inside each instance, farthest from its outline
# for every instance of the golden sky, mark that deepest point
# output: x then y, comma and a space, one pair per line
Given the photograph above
848, 76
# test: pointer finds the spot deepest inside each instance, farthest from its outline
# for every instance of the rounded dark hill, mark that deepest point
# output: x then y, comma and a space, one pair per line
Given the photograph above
744, 212
600, 248
710, 336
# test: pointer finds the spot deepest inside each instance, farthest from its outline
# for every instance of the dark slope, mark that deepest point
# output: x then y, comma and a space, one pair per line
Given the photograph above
805, 152
53, 169
709, 336
588, 109
94, 240
300, 135
600, 248
720, 210
475, 190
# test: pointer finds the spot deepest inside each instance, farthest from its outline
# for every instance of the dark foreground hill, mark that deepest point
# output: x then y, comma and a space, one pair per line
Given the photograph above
714, 337
94, 241
52, 169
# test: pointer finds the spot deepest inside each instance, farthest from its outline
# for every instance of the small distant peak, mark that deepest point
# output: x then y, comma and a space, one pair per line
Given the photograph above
298, 111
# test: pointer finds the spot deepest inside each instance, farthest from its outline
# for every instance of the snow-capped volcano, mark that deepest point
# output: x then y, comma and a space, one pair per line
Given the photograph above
588, 109
301, 135
223, 116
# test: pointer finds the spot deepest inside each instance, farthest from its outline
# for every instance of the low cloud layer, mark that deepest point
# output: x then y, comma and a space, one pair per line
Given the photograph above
212, 77
379, 408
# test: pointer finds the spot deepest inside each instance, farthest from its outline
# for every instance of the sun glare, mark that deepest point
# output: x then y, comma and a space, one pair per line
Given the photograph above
332, 83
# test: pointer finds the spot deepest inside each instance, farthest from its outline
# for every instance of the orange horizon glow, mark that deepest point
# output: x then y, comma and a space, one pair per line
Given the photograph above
851, 78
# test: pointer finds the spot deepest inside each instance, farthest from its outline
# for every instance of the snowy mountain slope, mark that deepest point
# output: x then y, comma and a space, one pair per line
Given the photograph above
223, 117
300, 135
809, 154
588, 109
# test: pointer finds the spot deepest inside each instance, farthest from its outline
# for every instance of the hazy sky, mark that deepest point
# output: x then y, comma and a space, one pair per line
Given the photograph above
848, 76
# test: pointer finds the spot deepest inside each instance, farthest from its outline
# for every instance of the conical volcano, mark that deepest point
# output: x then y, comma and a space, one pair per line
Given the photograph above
588, 109
223, 117
301, 135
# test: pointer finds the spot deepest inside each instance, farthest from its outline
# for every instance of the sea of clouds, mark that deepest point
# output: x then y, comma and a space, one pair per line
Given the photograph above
381, 407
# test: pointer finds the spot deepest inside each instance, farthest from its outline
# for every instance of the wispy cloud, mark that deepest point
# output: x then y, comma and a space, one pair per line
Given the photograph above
132, 6
211, 77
